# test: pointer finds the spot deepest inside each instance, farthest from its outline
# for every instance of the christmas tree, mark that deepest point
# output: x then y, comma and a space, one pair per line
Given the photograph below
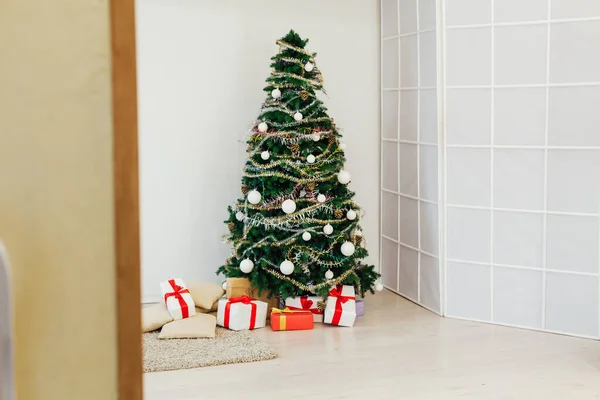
296, 229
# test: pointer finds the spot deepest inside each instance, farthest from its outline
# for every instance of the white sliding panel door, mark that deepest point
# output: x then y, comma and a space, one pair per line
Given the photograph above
523, 162
410, 255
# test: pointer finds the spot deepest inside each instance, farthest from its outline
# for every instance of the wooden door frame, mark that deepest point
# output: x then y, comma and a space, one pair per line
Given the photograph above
126, 199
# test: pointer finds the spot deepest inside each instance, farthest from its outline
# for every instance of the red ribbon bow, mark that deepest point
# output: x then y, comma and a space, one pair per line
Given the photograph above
306, 305
337, 292
177, 293
244, 299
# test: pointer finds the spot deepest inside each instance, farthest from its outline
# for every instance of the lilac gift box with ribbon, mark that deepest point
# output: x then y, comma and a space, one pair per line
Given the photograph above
360, 308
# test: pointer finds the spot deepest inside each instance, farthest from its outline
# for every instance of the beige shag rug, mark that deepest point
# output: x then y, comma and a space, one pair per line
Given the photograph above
228, 347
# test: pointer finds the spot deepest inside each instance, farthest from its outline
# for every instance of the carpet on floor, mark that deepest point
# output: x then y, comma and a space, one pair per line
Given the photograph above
228, 347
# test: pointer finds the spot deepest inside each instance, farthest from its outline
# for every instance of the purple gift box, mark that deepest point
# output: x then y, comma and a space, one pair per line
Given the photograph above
360, 308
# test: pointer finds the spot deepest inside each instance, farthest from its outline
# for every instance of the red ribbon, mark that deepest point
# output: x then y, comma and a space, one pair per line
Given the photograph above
306, 303
177, 293
244, 299
337, 292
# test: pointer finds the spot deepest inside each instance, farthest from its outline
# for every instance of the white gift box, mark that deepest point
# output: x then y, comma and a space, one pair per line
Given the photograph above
341, 306
237, 314
308, 303
177, 298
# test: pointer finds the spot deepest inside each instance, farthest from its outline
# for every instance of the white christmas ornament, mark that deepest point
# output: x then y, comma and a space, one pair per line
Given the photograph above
379, 287
262, 127
344, 177
239, 216
329, 274
328, 229
286, 267
348, 248
342, 146
224, 285
351, 215
276, 93
246, 266
288, 206
306, 236
254, 197
308, 67
265, 155
310, 159
315, 137
321, 198
298, 116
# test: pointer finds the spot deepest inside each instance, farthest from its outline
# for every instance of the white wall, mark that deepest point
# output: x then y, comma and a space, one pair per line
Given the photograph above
202, 66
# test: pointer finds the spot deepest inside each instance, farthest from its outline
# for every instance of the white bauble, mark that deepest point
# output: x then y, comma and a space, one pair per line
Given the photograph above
351, 215
344, 177
288, 206
315, 137
265, 155
378, 287
310, 159
276, 93
224, 285
262, 127
348, 248
329, 274
298, 116
328, 229
302, 193
342, 146
254, 197
246, 266
286, 267
321, 198
240, 216
308, 67
306, 236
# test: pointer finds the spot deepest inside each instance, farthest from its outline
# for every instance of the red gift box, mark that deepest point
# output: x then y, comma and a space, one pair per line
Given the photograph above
291, 320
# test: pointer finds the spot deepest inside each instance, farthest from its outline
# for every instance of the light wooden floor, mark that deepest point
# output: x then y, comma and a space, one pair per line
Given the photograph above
399, 351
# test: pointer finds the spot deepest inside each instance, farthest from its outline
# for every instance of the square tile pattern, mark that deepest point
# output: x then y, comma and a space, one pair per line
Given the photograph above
410, 153
522, 228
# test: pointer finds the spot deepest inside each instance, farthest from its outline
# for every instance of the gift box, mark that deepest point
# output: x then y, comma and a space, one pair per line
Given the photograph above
340, 308
237, 287
307, 303
291, 320
178, 299
239, 313
360, 308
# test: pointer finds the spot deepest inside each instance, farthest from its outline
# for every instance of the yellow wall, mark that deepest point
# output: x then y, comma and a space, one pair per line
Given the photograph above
56, 204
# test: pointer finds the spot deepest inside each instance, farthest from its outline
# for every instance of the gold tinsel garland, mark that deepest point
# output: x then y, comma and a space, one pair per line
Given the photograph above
298, 49
312, 288
290, 178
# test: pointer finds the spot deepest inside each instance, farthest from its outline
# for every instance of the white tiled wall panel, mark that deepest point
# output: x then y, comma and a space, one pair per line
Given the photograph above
522, 163
472, 44
409, 115
572, 304
519, 116
468, 291
410, 175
